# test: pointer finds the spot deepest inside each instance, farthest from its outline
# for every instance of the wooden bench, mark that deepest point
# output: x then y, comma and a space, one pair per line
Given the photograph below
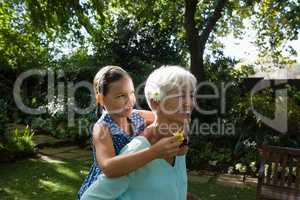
279, 174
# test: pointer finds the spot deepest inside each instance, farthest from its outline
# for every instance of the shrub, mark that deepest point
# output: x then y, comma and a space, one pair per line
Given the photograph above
3, 116
20, 144
207, 151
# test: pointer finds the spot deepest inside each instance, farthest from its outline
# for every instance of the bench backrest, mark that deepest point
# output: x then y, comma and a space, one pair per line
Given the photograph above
279, 169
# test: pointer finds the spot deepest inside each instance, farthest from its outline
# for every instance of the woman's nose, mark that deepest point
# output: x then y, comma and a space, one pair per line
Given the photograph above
189, 100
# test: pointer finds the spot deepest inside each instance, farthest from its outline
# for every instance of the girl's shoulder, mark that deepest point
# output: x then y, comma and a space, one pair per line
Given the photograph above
137, 116
146, 115
136, 119
99, 130
105, 119
102, 125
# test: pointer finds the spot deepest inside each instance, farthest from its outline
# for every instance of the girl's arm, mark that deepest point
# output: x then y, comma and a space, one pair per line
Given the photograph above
115, 166
148, 116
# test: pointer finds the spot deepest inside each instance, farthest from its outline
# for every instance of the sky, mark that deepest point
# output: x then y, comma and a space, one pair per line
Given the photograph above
245, 48
246, 51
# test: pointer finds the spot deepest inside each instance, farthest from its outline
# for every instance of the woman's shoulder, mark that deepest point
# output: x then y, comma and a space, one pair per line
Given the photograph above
136, 144
150, 134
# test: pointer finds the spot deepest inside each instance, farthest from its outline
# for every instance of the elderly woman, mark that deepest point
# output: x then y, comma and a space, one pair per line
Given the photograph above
169, 92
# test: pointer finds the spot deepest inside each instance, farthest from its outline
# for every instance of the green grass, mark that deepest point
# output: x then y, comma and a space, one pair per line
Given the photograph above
211, 190
36, 179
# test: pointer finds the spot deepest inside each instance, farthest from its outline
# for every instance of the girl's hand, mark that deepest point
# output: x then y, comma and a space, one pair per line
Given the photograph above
166, 147
183, 150
191, 196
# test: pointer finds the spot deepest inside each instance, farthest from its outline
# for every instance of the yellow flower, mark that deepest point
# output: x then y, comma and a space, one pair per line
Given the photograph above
179, 136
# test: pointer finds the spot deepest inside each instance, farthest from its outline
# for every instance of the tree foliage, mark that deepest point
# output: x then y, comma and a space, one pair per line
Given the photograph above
20, 46
152, 31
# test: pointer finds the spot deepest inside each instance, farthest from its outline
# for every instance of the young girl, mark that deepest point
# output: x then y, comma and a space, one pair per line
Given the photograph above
118, 125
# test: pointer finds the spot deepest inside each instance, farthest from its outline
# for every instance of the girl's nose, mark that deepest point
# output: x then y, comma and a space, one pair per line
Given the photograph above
131, 100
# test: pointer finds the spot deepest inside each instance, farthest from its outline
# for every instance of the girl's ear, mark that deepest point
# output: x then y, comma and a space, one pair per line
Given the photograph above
99, 99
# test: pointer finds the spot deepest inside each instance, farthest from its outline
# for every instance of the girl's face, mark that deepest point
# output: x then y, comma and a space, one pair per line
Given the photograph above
177, 106
120, 97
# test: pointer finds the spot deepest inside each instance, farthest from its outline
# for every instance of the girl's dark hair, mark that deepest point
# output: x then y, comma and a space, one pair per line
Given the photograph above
104, 77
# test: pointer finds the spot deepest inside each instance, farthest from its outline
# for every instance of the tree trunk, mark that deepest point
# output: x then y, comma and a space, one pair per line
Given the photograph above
193, 39
197, 41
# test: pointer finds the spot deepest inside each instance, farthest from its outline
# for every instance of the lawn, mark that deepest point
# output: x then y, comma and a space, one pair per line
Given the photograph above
212, 190
36, 179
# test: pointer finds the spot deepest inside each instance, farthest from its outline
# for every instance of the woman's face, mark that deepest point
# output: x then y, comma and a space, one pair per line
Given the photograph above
178, 104
120, 97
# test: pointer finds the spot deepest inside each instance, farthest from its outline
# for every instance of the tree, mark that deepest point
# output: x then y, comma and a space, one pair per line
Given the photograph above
20, 47
277, 23
200, 22
197, 42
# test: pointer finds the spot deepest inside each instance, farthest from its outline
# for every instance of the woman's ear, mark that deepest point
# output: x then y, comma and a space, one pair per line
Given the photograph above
99, 99
154, 104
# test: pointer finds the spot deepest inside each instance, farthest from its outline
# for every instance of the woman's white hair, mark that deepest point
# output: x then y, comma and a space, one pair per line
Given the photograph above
165, 79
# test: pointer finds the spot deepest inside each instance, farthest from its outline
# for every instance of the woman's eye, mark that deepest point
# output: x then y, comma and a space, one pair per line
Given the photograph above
180, 96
